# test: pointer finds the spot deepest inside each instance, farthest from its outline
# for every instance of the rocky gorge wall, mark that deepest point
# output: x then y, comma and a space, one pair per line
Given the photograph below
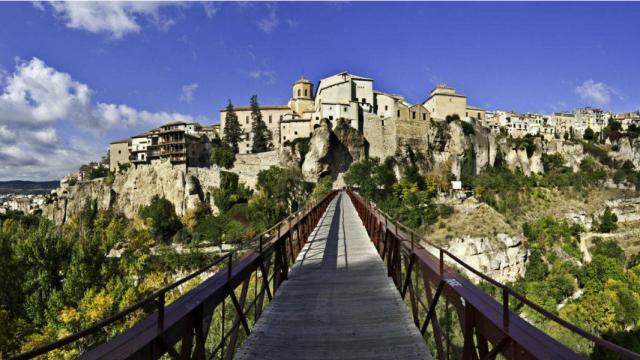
185, 187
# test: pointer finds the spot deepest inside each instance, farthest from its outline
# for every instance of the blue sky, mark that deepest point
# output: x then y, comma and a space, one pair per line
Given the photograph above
76, 76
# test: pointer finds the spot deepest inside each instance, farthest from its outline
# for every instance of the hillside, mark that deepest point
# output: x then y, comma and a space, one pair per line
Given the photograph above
27, 187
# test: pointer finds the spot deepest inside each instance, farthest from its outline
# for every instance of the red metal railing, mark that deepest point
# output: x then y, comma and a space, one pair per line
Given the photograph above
211, 320
426, 278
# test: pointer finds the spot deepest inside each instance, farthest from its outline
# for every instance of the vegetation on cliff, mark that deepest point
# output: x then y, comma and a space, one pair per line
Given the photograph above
57, 280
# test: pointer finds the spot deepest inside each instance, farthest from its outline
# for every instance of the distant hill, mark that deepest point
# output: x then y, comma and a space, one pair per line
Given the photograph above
27, 187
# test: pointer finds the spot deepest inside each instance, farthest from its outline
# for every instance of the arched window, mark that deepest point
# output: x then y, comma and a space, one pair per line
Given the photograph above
305, 92
298, 92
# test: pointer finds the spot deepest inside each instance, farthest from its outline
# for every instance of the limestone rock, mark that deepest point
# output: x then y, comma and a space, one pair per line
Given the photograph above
185, 187
502, 257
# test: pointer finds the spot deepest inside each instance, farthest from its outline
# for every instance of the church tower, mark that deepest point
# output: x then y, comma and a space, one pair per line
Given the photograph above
302, 96
302, 89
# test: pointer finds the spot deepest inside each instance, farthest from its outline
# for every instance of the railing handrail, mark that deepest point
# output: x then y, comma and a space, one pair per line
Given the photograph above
158, 295
506, 289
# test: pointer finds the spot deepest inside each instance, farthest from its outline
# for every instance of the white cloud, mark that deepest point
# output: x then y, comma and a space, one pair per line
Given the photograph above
210, 8
113, 18
36, 100
595, 92
271, 21
188, 91
267, 75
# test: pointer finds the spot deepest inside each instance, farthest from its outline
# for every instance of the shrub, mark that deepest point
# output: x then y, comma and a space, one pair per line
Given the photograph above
608, 221
160, 216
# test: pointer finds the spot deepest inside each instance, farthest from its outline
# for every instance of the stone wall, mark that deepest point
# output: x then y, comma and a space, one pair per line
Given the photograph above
247, 166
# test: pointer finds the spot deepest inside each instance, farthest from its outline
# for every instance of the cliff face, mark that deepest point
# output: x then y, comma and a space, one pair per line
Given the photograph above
502, 258
185, 188
331, 152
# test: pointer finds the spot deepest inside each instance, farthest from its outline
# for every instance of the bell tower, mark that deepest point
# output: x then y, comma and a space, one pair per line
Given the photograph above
302, 89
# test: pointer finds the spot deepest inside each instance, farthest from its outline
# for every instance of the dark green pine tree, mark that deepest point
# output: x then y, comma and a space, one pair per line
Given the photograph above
232, 131
260, 134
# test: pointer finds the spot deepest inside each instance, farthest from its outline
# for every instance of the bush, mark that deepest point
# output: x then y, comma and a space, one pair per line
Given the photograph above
160, 216
588, 134
608, 221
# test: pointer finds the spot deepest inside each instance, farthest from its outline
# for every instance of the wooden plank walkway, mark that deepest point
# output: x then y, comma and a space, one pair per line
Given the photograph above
338, 302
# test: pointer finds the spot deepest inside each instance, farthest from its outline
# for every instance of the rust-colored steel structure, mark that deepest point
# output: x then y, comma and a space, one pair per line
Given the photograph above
225, 304
486, 327
211, 320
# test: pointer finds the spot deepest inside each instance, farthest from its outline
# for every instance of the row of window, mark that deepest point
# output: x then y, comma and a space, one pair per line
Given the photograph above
246, 119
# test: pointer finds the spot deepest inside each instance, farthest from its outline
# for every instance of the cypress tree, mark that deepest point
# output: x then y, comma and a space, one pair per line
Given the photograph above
232, 132
260, 134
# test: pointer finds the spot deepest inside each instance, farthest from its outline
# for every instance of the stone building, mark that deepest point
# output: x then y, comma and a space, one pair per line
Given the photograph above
118, 153
386, 121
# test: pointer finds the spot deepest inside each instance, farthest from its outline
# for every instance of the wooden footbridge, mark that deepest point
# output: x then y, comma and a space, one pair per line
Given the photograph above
337, 280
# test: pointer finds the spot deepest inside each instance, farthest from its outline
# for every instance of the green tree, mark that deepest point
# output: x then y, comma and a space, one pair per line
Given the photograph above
232, 131
361, 176
160, 216
260, 134
588, 134
222, 154
45, 259
323, 187
608, 221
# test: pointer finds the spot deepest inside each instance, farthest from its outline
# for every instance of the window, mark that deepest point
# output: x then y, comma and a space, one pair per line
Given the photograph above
364, 100
386, 107
280, 117
317, 117
413, 114
284, 138
345, 108
398, 113
119, 151
331, 117
479, 117
424, 116
246, 119
295, 133
298, 92
305, 92
467, 114
382, 122
269, 119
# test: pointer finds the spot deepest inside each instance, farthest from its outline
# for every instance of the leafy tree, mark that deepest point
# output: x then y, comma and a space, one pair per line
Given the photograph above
230, 192
361, 174
260, 134
160, 216
232, 131
588, 134
323, 187
222, 154
280, 191
608, 221
468, 167
614, 125
610, 249
45, 258
552, 162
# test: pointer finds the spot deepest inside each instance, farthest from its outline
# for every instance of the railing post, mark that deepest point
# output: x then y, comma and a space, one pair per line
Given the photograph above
161, 313
230, 265
441, 264
505, 310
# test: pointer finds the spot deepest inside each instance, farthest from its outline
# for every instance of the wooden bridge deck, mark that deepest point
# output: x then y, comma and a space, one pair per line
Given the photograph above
338, 302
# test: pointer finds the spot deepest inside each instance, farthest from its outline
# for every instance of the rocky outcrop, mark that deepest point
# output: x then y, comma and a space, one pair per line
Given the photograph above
627, 209
331, 152
502, 258
186, 188
247, 166
572, 153
624, 149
